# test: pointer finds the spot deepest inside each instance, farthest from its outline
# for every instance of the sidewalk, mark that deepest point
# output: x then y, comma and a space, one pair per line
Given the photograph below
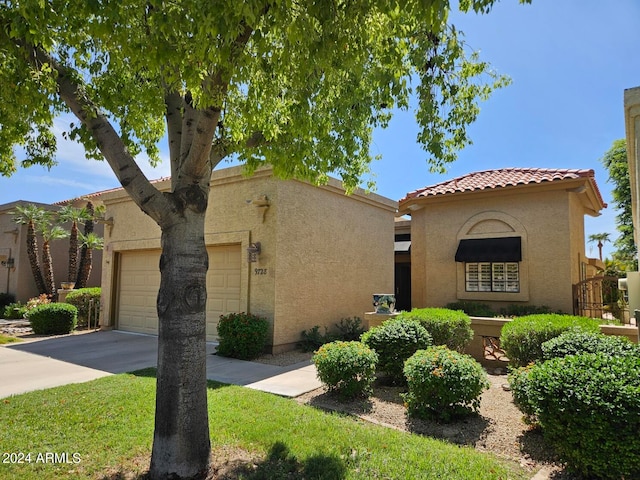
50, 362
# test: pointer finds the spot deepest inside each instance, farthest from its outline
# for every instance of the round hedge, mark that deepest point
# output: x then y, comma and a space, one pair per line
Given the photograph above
451, 328
395, 341
522, 337
588, 406
53, 318
242, 335
576, 342
80, 299
348, 369
443, 384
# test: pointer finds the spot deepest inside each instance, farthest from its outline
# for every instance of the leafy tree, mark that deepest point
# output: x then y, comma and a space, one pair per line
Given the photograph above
296, 85
600, 239
615, 161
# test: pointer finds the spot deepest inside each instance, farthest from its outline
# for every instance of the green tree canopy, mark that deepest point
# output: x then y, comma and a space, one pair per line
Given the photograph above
298, 85
615, 161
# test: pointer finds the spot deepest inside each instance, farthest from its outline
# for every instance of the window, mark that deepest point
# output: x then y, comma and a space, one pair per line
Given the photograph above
492, 277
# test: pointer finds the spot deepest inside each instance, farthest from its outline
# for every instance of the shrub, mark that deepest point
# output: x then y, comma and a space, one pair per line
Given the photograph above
81, 299
34, 302
53, 318
242, 335
451, 328
516, 310
346, 368
14, 311
443, 384
522, 338
522, 397
589, 409
579, 342
395, 341
350, 329
6, 299
474, 309
312, 339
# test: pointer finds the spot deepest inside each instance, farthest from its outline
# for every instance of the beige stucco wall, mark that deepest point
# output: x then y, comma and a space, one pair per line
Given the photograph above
323, 253
549, 218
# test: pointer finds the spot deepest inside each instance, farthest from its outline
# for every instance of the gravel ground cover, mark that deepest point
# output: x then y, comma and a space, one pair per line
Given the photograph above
498, 428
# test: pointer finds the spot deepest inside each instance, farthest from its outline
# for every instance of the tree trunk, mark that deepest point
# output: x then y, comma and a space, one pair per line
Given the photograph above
32, 253
181, 446
47, 266
84, 269
73, 253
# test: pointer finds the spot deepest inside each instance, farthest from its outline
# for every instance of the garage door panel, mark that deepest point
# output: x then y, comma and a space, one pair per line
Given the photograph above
140, 280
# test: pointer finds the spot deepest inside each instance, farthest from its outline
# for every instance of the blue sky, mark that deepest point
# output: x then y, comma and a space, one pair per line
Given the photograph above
569, 62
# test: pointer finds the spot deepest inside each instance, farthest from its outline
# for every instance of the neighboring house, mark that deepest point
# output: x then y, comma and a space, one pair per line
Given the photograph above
15, 270
506, 236
632, 124
321, 256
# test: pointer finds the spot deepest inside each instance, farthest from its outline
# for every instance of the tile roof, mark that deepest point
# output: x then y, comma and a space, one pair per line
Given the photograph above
501, 178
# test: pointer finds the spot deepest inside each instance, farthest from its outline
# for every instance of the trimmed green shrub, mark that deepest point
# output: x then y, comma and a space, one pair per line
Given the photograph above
522, 397
53, 318
578, 342
473, 309
347, 368
451, 328
443, 384
312, 339
242, 335
589, 409
522, 338
6, 299
80, 299
395, 341
517, 310
14, 311
350, 329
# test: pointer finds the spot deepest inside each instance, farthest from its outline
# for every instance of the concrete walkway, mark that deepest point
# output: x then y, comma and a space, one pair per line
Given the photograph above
50, 362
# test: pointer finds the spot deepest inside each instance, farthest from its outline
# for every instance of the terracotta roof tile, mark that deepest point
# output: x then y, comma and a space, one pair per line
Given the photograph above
501, 178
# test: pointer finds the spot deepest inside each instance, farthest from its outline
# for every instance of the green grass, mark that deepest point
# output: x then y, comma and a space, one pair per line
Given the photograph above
4, 339
109, 424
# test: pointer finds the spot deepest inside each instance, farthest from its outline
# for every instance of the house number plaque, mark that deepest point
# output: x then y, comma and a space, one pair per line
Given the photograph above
259, 271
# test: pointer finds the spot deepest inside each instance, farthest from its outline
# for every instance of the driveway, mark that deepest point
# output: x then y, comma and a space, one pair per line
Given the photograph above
57, 361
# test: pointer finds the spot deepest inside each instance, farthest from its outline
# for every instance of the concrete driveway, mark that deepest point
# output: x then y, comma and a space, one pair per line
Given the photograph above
51, 362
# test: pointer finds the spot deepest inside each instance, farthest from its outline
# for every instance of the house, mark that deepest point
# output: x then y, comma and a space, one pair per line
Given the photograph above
501, 237
297, 254
632, 127
16, 277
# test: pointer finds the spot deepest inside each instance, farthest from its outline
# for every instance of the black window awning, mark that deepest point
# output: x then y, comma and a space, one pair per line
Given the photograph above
506, 249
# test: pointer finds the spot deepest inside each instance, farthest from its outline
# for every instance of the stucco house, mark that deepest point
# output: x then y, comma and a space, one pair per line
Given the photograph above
297, 254
15, 270
501, 237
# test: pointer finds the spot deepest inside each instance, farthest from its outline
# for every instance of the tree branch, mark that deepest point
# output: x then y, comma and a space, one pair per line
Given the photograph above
127, 171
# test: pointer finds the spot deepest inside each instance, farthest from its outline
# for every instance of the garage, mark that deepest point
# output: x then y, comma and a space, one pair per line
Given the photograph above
139, 281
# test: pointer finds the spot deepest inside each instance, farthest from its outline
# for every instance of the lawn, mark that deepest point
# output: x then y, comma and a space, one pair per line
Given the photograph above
103, 429
4, 339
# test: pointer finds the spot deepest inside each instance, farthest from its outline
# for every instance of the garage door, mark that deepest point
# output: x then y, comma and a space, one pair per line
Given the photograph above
140, 281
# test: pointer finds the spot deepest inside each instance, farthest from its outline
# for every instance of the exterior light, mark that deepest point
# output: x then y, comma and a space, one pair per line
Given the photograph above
253, 250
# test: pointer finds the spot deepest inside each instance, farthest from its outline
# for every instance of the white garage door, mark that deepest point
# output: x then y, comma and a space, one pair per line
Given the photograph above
140, 281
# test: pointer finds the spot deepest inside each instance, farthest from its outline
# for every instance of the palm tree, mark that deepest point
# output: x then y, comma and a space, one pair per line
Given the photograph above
75, 216
90, 242
49, 233
601, 238
31, 215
